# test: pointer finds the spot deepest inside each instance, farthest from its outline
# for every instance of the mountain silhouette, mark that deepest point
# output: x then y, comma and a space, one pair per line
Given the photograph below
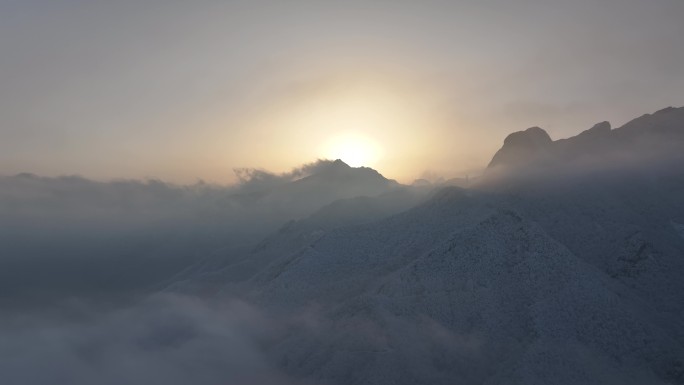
656, 137
521, 146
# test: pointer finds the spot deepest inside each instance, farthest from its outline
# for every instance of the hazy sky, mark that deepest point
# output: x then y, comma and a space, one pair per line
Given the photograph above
182, 90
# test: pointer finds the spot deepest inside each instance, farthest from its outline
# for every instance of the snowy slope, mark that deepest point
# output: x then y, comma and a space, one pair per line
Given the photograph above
229, 267
468, 288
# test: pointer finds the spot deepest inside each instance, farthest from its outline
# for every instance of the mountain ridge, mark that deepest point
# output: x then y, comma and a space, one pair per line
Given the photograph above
649, 137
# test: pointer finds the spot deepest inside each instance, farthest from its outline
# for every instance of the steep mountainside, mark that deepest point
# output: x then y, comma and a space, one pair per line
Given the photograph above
230, 268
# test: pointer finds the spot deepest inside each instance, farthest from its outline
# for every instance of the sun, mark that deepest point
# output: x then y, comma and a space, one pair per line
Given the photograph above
353, 149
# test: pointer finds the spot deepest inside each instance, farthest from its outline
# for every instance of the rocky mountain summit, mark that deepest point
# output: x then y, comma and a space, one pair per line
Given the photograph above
651, 137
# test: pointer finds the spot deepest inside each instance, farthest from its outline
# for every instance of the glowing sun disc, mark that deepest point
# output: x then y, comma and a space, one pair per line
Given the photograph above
353, 149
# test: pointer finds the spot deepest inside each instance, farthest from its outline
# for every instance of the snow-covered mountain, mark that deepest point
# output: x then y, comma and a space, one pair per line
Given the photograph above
568, 274
562, 264
229, 268
473, 288
328, 182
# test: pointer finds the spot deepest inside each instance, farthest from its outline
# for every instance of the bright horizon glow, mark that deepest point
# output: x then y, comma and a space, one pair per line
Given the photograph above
183, 91
354, 149
365, 119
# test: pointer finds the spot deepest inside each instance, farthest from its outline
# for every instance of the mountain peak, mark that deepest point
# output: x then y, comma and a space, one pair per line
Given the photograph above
598, 129
340, 163
334, 167
648, 137
520, 146
666, 110
533, 136
337, 171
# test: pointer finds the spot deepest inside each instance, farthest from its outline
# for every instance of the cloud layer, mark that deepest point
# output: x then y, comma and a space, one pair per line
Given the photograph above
161, 340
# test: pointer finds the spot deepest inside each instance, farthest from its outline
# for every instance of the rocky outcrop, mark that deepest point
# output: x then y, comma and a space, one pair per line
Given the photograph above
521, 147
